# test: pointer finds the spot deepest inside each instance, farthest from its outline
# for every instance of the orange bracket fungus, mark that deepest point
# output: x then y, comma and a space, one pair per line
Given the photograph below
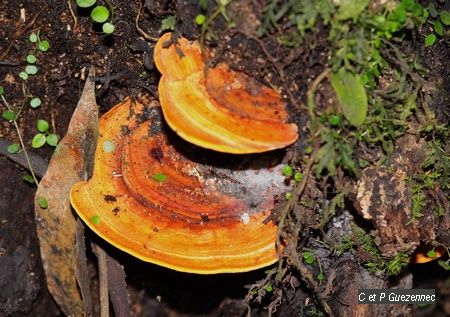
169, 204
218, 108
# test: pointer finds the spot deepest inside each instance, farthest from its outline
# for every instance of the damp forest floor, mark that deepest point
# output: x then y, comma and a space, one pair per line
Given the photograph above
334, 246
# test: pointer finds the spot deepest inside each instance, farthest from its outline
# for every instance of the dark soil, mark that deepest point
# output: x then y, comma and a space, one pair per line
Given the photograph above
125, 68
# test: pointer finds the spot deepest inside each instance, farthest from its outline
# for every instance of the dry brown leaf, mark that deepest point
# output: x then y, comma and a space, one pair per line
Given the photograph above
56, 225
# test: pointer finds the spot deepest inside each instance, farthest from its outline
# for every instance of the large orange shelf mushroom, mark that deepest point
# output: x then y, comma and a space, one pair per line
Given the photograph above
148, 199
218, 108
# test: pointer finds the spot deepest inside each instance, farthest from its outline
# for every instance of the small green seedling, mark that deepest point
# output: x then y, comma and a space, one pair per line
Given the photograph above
160, 177
35, 102
287, 171
308, 257
100, 14
43, 137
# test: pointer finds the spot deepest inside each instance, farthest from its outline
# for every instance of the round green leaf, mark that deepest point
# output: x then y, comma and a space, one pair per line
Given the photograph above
200, 19
43, 203
33, 38
100, 14
38, 140
31, 69
31, 59
13, 148
44, 46
108, 28
445, 17
2, 90
52, 139
23, 75
287, 171
335, 120
42, 125
85, 3
35, 102
430, 39
8, 115
298, 177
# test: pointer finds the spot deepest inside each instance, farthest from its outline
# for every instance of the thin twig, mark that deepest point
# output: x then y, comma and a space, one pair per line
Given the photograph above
138, 28
74, 16
22, 144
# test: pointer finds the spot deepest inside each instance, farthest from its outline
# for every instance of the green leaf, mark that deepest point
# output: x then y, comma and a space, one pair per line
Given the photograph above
23, 75
28, 179
96, 220
43, 46
43, 203
308, 257
287, 171
351, 9
38, 140
31, 59
8, 115
445, 17
431, 253
168, 23
13, 148
288, 196
35, 102
268, 288
438, 28
432, 10
298, 177
335, 120
108, 28
445, 264
160, 177
100, 14
351, 95
320, 277
430, 39
2, 90
31, 69
33, 38
42, 125
85, 3
200, 19
52, 139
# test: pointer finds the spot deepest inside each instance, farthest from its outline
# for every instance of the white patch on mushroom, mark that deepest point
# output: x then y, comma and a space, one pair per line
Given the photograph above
245, 218
108, 146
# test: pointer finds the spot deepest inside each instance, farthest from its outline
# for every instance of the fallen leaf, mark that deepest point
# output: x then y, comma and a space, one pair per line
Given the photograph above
56, 224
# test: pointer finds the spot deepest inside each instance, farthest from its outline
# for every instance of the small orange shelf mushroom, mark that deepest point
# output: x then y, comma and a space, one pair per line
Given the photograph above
148, 199
218, 108
423, 255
